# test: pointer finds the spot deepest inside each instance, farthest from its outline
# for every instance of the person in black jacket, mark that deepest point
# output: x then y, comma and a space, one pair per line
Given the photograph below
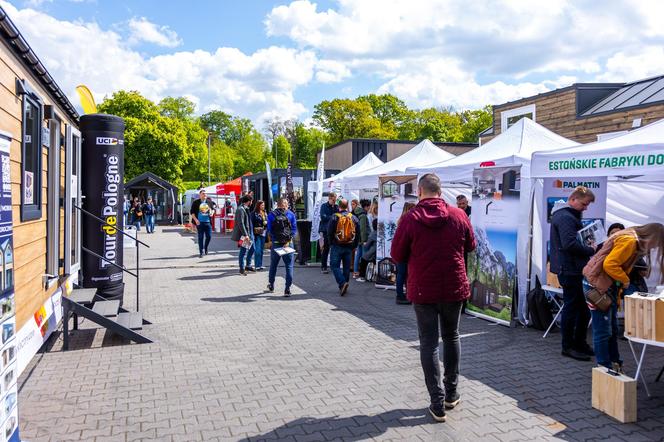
326, 211
568, 258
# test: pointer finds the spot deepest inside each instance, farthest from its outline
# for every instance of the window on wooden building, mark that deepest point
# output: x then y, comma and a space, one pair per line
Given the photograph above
31, 150
510, 117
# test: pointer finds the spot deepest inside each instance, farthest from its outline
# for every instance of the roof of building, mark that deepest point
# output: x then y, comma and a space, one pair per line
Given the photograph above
413, 142
639, 93
149, 179
15, 41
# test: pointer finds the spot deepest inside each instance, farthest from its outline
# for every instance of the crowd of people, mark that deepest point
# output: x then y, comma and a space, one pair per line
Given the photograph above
138, 211
430, 248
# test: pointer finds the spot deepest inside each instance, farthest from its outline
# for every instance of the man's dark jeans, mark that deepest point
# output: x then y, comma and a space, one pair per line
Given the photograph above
402, 276
204, 230
289, 261
325, 252
575, 316
341, 256
434, 320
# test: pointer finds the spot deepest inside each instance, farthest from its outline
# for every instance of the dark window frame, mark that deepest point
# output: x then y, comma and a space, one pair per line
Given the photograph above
33, 211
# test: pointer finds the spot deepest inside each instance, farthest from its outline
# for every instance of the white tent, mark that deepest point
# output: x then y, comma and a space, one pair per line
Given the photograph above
334, 183
514, 147
634, 165
421, 155
639, 152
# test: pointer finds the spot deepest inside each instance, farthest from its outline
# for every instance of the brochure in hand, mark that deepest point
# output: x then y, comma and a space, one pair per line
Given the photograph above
593, 234
246, 242
281, 251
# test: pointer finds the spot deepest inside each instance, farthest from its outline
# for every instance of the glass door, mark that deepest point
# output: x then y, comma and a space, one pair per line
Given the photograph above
73, 199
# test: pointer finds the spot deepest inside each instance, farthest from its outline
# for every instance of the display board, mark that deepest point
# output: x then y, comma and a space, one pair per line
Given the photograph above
8, 346
393, 193
555, 192
492, 267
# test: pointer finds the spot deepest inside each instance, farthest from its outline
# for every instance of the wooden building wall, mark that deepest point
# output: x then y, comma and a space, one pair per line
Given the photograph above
557, 112
29, 236
339, 157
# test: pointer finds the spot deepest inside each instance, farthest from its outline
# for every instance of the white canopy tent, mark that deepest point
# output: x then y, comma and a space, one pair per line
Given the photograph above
514, 147
420, 155
335, 182
634, 165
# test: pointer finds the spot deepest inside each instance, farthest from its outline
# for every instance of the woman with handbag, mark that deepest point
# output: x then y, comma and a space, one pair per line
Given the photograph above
608, 274
259, 220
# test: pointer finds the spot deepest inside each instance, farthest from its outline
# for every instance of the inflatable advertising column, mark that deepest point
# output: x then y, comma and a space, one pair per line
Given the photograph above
103, 193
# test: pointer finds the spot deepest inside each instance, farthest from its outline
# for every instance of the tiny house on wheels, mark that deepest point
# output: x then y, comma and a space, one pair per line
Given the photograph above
40, 126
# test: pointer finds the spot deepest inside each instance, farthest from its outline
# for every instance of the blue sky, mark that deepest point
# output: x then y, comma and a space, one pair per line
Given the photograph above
263, 59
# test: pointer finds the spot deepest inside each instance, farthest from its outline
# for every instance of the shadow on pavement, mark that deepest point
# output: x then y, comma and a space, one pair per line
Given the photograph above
351, 428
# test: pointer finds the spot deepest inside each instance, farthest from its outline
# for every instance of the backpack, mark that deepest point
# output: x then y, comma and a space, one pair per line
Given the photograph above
281, 227
345, 232
539, 308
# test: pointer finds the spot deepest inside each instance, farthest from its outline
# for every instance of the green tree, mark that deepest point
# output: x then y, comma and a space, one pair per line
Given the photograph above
281, 151
437, 125
180, 108
475, 121
309, 141
345, 118
392, 113
152, 142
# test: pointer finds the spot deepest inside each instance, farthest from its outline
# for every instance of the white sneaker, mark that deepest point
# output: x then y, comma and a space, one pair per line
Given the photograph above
360, 279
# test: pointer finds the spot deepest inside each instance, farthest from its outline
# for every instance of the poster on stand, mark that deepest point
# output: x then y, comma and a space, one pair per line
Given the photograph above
393, 193
492, 266
555, 194
8, 345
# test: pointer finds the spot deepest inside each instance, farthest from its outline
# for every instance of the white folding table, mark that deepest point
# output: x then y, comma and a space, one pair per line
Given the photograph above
552, 293
639, 360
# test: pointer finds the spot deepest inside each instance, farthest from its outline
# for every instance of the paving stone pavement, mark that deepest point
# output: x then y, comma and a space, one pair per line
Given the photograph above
231, 362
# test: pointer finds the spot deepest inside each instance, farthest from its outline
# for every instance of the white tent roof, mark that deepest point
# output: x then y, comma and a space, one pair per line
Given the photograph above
420, 155
368, 162
638, 152
514, 146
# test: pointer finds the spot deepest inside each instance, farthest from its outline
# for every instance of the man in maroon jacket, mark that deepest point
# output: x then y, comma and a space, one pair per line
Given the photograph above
433, 238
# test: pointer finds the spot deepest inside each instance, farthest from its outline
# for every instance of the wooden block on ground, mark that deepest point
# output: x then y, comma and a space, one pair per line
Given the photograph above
614, 394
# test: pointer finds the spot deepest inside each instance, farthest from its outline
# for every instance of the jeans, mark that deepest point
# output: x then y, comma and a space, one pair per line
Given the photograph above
325, 252
149, 223
137, 224
402, 275
341, 255
289, 261
259, 245
575, 314
605, 336
433, 319
204, 230
246, 255
358, 258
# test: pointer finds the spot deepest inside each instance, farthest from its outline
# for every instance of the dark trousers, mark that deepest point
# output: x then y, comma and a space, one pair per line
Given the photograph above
575, 316
402, 275
204, 231
434, 320
325, 252
289, 261
341, 255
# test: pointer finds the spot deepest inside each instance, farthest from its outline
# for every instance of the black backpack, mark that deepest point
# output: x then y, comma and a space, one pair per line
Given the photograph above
281, 227
539, 308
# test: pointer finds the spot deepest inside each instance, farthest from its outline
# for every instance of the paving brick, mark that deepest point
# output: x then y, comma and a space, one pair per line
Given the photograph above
230, 362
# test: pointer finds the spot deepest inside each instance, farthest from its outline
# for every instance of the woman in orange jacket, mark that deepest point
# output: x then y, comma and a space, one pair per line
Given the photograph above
627, 246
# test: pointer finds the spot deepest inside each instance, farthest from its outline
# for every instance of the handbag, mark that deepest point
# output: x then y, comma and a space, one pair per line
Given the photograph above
258, 230
601, 301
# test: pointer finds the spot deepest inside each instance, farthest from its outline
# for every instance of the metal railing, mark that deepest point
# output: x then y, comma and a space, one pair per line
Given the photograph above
124, 269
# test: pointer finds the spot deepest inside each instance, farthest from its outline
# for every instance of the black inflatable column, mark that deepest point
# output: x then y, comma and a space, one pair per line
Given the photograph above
103, 192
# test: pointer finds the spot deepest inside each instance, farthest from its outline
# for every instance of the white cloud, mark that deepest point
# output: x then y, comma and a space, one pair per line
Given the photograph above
254, 85
441, 52
143, 30
331, 71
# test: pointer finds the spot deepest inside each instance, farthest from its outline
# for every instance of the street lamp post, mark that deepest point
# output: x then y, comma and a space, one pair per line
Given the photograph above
208, 146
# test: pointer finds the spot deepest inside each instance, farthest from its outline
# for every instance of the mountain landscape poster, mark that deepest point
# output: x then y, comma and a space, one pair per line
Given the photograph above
495, 219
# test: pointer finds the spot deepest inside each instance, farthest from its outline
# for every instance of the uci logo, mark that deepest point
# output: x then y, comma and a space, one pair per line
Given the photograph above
108, 141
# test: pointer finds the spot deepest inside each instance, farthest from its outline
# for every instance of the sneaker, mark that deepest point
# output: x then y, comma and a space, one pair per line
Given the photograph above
571, 353
243, 272
617, 367
287, 293
200, 255
206, 251
586, 350
360, 279
403, 301
343, 289
250, 269
451, 400
325, 271
270, 288
438, 413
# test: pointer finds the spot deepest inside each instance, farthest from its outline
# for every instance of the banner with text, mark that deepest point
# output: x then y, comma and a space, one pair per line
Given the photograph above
492, 266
